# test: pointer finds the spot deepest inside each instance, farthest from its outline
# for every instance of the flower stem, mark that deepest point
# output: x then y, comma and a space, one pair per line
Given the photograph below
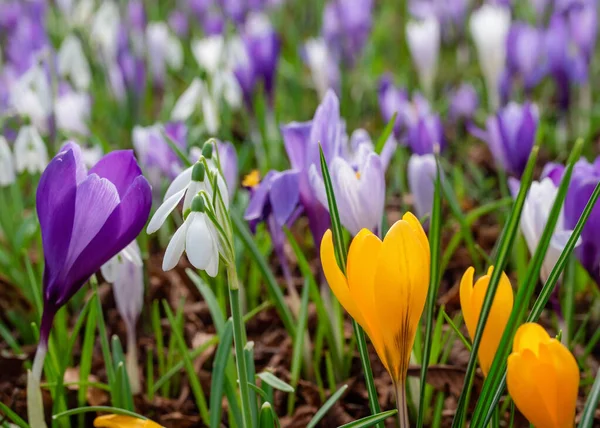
401, 404
239, 338
35, 404
361, 343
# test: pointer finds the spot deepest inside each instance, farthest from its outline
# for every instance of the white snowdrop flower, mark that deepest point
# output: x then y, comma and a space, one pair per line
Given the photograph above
72, 63
198, 238
91, 155
197, 96
359, 190
209, 53
105, 29
78, 12
7, 167
31, 154
72, 112
424, 42
31, 96
536, 211
422, 170
186, 186
125, 272
323, 68
225, 86
164, 48
489, 28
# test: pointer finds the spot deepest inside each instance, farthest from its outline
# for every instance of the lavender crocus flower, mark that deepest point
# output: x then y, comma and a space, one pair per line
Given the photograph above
86, 217
229, 164
463, 102
422, 171
554, 171
426, 135
392, 100
178, 21
359, 187
510, 135
450, 14
524, 49
155, 155
346, 27
583, 181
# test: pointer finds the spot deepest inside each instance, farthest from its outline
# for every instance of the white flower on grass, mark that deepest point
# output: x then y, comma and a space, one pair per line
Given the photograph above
424, 42
536, 211
72, 111
30, 96
105, 29
31, 154
489, 28
198, 238
72, 63
163, 48
7, 167
323, 67
359, 189
197, 96
209, 53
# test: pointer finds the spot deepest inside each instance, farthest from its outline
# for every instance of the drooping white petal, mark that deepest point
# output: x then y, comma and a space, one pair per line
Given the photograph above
72, 111
211, 114
174, 53
188, 101
209, 52
105, 29
164, 211
181, 182
7, 167
199, 245
225, 86
73, 63
30, 151
31, 96
132, 253
110, 269
192, 191
176, 247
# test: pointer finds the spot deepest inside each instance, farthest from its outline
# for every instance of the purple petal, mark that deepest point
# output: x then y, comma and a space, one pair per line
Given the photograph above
295, 138
120, 168
284, 195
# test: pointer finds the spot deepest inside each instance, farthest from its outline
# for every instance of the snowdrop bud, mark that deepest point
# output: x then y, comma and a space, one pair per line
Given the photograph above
199, 172
489, 28
7, 167
207, 150
30, 151
424, 43
198, 204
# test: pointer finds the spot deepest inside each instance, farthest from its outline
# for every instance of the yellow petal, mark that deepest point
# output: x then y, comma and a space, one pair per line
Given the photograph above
361, 268
497, 318
418, 228
529, 336
522, 378
567, 377
401, 284
336, 279
120, 421
466, 291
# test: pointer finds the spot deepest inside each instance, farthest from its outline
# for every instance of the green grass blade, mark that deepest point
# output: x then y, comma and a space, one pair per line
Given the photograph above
189, 367
110, 373
87, 350
120, 367
435, 245
591, 404
524, 294
272, 380
104, 409
272, 287
267, 417
326, 407
160, 348
341, 254
370, 421
15, 419
385, 135
251, 369
298, 345
211, 300
218, 374
504, 247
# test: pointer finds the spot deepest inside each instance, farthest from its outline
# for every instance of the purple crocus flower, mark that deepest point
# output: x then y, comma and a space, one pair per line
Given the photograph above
427, 134
86, 218
524, 48
554, 171
347, 26
24, 43
583, 181
229, 164
178, 21
421, 173
510, 135
392, 100
582, 18
450, 14
463, 102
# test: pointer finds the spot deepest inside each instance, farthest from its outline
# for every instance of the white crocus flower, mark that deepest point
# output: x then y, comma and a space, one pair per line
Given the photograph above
197, 96
323, 68
359, 190
72, 112
536, 212
30, 151
209, 53
105, 29
73, 63
422, 170
424, 42
7, 167
489, 28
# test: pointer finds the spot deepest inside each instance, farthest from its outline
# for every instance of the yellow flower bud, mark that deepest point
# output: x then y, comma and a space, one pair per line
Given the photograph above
471, 301
385, 287
121, 421
542, 378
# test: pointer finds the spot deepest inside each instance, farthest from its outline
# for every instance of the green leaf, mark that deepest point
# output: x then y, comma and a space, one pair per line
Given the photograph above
275, 382
218, 374
267, 417
369, 421
210, 299
434, 276
182, 156
104, 409
16, 419
504, 248
387, 131
591, 404
326, 407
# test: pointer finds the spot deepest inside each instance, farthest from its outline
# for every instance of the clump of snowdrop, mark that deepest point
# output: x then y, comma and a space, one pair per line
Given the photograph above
31, 154
206, 234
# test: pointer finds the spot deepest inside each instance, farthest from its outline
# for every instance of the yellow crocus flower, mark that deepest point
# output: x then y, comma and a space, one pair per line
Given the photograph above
384, 290
121, 421
542, 378
471, 301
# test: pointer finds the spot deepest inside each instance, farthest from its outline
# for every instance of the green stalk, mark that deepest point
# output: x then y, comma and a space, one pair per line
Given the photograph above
239, 339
